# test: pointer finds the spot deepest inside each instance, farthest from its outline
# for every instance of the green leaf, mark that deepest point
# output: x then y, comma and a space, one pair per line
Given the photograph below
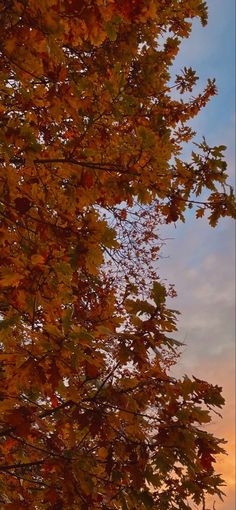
147, 499
67, 319
158, 293
111, 30
6, 323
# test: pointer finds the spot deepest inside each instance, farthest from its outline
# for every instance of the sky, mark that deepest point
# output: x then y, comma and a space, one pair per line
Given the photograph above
199, 260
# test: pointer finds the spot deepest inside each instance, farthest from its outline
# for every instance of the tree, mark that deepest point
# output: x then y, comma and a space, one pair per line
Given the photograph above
90, 158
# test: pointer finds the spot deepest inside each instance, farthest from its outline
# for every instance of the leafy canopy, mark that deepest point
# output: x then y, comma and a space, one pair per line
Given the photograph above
92, 131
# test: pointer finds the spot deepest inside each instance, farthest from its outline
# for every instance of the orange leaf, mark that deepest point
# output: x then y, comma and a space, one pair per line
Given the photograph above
37, 259
102, 453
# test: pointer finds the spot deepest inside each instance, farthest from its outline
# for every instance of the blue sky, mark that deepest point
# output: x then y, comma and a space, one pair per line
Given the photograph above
201, 260
211, 51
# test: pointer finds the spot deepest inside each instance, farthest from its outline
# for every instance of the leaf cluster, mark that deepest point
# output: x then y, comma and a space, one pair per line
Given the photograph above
90, 165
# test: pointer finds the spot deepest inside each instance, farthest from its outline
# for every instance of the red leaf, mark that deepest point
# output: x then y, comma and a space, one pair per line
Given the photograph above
22, 204
206, 461
54, 401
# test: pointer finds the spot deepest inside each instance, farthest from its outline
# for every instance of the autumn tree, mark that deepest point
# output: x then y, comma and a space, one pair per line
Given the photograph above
92, 129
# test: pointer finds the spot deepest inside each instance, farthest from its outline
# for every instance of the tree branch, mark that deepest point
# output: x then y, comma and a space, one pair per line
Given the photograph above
6, 467
106, 167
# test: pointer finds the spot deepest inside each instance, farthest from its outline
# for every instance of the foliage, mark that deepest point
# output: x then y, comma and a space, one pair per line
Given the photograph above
90, 164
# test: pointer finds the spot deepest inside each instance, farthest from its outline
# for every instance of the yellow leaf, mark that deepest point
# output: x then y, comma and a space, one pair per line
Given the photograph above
9, 279
94, 259
53, 330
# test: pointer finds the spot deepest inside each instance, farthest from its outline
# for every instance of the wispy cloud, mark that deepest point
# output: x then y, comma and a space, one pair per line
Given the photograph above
201, 264
200, 260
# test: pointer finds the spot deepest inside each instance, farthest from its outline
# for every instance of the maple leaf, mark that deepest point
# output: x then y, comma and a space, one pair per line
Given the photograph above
22, 204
